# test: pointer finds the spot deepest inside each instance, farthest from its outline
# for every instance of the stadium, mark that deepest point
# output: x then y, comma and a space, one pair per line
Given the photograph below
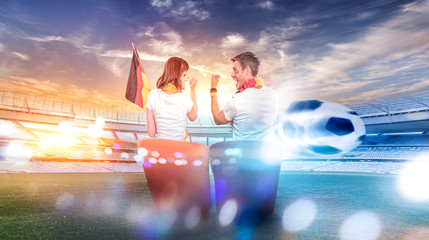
75, 171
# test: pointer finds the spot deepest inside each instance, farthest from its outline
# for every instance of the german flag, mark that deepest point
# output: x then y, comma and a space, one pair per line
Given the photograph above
138, 86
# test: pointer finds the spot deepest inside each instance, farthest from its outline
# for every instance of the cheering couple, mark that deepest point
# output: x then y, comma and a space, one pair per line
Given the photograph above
252, 110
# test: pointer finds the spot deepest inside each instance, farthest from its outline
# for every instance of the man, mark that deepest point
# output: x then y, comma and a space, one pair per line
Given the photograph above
253, 109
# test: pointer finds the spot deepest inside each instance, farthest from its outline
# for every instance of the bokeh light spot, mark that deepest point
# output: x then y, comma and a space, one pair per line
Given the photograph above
197, 163
228, 212
138, 158
154, 154
216, 162
91, 202
178, 154
152, 160
162, 160
142, 152
65, 202
180, 162
147, 164
192, 217
232, 160
362, 225
109, 206
108, 151
232, 151
299, 215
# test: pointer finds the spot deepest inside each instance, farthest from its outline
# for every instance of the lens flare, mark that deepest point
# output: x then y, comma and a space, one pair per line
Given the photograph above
413, 180
95, 131
65, 127
7, 128
18, 151
100, 122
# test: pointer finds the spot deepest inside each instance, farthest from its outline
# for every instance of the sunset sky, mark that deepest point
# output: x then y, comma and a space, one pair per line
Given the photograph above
343, 51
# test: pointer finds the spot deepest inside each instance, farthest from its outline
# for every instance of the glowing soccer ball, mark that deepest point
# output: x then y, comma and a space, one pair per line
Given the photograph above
316, 127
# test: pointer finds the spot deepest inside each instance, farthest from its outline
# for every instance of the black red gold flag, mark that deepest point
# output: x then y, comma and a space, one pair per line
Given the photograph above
138, 86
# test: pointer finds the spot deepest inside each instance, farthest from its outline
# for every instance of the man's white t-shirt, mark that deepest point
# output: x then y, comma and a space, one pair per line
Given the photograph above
253, 113
170, 113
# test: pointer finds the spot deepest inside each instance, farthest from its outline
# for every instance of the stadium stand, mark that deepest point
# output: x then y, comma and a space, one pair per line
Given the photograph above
62, 137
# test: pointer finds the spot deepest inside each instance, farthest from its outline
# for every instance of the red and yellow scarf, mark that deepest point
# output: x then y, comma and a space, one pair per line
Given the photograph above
253, 82
170, 88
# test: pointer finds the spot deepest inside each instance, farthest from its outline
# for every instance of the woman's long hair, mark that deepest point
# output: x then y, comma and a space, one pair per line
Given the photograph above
173, 70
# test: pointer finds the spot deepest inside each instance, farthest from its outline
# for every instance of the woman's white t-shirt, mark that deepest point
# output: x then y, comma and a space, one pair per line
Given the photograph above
170, 113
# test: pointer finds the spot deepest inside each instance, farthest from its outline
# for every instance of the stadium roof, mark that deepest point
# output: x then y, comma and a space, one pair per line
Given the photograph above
57, 107
419, 102
392, 115
403, 114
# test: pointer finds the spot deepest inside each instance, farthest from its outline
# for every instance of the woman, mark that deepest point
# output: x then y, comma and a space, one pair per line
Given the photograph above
167, 107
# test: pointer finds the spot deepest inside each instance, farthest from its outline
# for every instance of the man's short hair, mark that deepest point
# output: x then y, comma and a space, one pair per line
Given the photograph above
248, 59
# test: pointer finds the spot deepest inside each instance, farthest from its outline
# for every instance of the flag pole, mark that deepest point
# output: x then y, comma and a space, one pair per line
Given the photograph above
134, 48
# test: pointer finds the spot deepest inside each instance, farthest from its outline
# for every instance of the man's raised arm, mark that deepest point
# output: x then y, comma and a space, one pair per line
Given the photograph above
218, 114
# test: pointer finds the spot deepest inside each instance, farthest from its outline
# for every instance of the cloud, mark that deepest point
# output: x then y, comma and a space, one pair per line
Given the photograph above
20, 56
390, 90
17, 13
400, 67
45, 38
233, 40
161, 3
181, 10
271, 46
128, 54
385, 50
146, 32
266, 5
168, 43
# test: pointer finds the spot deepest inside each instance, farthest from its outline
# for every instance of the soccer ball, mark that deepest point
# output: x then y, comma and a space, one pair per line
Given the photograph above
316, 127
